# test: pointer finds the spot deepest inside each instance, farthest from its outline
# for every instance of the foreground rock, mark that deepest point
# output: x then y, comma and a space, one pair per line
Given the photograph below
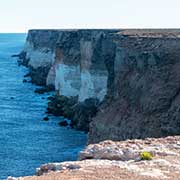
131, 149
118, 161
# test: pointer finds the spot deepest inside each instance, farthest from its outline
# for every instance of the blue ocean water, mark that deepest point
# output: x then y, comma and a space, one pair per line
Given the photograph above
26, 141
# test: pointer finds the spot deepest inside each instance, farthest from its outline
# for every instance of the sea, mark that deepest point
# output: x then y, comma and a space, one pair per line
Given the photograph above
26, 140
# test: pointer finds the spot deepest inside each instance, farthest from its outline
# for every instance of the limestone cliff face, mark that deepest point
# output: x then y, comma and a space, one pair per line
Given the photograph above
72, 60
39, 55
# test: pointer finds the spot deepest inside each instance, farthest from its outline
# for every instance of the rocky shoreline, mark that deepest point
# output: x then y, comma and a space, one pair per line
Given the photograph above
117, 85
120, 160
80, 113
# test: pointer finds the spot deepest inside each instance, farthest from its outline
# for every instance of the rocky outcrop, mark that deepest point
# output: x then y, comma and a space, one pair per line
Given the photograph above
131, 149
118, 161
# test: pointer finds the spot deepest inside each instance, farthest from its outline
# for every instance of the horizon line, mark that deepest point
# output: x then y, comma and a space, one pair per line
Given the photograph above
91, 28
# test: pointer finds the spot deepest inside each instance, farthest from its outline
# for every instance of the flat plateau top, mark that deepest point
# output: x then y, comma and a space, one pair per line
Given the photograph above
157, 33
163, 33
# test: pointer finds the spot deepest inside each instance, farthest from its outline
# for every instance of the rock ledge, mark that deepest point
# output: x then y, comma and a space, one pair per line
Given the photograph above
118, 161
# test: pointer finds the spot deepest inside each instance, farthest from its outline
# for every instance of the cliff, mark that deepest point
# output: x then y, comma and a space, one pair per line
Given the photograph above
133, 73
74, 62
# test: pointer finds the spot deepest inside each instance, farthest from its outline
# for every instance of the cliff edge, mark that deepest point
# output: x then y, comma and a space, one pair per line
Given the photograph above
123, 160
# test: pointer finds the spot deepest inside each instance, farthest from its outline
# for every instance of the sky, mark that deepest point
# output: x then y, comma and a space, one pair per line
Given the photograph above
21, 15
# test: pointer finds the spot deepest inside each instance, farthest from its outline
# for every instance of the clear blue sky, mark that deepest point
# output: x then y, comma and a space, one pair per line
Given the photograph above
21, 15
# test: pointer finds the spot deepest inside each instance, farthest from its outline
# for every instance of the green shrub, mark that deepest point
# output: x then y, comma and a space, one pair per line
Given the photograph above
146, 155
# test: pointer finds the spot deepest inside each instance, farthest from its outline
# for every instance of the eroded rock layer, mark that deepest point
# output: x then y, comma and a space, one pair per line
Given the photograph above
71, 60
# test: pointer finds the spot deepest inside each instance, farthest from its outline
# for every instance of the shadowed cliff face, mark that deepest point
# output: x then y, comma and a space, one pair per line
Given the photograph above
144, 100
137, 70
